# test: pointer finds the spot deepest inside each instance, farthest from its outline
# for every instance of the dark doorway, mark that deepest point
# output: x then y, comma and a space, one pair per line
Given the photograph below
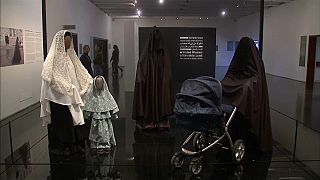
311, 62
103, 47
75, 42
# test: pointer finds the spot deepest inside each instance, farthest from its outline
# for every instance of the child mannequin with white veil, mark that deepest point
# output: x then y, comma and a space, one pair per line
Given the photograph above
64, 83
101, 107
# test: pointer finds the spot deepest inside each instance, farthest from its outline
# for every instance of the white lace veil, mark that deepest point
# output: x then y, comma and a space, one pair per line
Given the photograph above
55, 70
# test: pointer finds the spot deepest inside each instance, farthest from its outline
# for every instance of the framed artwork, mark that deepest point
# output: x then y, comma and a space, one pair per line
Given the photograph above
11, 47
303, 50
230, 46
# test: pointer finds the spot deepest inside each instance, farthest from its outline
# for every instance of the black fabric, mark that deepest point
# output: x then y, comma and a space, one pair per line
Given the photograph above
245, 87
17, 55
198, 105
199, 97
61, 130
153, 92
152, 154
86, 62
115, 56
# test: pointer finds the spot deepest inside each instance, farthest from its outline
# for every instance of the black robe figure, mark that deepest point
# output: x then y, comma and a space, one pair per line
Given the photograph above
17, 55
153, 94
245, 86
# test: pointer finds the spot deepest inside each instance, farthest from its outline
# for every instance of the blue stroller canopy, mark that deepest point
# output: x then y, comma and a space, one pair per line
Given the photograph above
199, 97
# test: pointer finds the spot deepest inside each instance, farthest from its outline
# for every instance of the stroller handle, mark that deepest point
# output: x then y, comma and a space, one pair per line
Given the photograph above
231, 116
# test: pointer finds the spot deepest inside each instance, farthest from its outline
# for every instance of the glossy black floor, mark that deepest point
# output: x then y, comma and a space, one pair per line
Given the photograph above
146, 155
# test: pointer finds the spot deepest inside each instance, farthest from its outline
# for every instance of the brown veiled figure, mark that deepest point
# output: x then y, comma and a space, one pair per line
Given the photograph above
153, 94
245, 87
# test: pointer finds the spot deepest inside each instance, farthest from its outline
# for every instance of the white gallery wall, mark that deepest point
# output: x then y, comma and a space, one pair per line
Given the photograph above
284, 25
89, 20
248, 26
20, 84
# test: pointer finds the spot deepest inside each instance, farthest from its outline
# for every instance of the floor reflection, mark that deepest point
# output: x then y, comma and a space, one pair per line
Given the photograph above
101, 166
152, 154
64, 167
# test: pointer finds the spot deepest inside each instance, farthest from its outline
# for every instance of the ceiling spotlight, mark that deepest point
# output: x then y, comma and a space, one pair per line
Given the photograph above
135, 2
200, 18
223, 13
139, 13
207, 18
177, 18
161, 1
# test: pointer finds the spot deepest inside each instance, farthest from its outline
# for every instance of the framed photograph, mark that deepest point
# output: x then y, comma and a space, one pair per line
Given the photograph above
230, 46
11, 47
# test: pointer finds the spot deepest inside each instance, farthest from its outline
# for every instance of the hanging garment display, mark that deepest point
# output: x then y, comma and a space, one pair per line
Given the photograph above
64, 83
245, 86
100, 107
153, 94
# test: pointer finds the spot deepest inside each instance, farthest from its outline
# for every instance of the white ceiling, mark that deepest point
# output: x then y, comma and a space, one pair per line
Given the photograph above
190, 8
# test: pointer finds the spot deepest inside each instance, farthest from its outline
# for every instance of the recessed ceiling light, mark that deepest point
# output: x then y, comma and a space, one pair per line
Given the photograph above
200, 18
177, 18
207, 18
161, 1
224, 13
135, 2
237, 5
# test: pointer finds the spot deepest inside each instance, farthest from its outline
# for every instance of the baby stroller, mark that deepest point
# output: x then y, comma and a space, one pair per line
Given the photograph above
198, 107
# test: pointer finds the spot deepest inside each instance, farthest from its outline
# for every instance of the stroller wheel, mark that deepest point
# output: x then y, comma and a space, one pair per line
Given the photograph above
239, 150
199, 141
196, 165
177, 159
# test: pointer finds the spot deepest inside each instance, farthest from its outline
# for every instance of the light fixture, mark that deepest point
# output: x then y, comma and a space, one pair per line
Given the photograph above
200, 18
161, 1
139, 12
207, 18
177, 18
135, 2
223, 12
237, 5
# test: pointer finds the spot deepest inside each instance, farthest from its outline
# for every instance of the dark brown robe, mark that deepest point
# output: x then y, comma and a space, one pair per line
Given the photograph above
153, 94
245, 87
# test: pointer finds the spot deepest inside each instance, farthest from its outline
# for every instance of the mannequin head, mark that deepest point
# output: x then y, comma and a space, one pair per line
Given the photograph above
67, 40
99, 83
